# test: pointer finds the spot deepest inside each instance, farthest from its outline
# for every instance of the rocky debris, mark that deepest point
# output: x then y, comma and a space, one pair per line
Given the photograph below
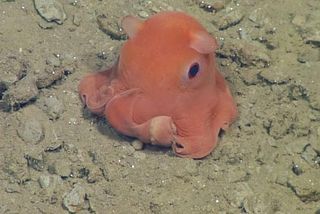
309, 155
76, 20
137, 145
210, 6
35, 163
110, 26
75, 200
31, 130
12, 69
306, 186
309, 27
51, 10
60, 167
258, 18
49, 182
245, 53
229, 19
48, 77
274, 75
51, 106
15, 169
20, 93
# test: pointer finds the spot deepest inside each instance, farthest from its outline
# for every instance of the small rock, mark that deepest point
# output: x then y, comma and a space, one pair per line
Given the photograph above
48, 77
53, 61
46, 25
52, 106
306, 186
139, 155
12, 69
35, 163
31, 131
299, 20
231, 19
258, 18
137, 145
309, 154
274, 76
143, 14
20, 93
76, 20
245, 53
74, 201
44, 181
313, 39
218, 5
60, 167
109, 26
51, 10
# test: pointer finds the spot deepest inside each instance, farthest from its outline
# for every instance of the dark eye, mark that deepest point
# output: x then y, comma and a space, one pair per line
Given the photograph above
193, 70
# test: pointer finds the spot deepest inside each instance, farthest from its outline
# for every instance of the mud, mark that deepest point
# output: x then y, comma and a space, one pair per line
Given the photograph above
55, 157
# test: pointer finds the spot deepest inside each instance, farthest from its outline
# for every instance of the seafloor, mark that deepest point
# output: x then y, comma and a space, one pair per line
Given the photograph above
56, 157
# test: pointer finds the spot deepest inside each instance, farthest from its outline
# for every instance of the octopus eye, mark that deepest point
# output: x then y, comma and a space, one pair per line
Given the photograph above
193, 70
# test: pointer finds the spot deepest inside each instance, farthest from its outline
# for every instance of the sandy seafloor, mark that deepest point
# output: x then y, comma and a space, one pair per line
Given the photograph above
56, 157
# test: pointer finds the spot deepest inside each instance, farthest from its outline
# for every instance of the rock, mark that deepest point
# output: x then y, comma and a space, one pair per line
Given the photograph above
313, 39
230, 19
31, 130
109, 26
186, 168
274, 75
309, 155
74, 201
48, 77
53, 61
52, 107
306, 186
76, 20
60, 167
139, 155
299, 20
20, 93
49, 182
245, 53
258, 18
12, 69
51, 10
143, 14
35, 163
137, 145
211, 6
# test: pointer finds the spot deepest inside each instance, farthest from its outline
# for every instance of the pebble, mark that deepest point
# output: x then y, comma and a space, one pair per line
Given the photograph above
139, 155
274, 75
51, 10
49, 182
74, 201
137, 145
109, 26
53, 61
306, 186
143, 14
20, 93
245, 53
47, 77
35, 163
309, 155
231, 19
60, 167
299, 20
12, 70
76, 20
31, 130
52, 107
